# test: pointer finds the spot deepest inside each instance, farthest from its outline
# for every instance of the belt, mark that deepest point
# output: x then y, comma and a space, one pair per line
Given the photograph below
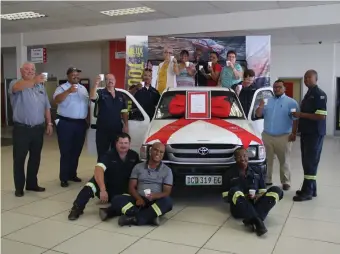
29, 126
69, 119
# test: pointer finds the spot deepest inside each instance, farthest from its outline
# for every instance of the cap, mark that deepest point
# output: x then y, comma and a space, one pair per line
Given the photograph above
72, 69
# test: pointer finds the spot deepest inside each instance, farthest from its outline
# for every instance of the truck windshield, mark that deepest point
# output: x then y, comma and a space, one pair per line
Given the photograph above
163, 112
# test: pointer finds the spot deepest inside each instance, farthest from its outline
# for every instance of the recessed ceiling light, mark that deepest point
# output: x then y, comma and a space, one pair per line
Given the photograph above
127, 11
22, 15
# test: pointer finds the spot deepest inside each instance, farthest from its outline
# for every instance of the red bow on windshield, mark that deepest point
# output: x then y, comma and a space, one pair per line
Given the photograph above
220, 108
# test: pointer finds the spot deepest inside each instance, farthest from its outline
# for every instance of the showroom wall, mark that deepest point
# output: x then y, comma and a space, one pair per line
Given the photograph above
287, 61
292, 61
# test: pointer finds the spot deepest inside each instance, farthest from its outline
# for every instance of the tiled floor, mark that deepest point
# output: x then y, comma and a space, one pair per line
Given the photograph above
37, 223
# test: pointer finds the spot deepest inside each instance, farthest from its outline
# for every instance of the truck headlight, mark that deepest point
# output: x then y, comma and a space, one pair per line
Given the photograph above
261, 152
143, 152
251, 152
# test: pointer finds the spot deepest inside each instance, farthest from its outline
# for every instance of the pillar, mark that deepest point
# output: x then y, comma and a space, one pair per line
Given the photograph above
21, 54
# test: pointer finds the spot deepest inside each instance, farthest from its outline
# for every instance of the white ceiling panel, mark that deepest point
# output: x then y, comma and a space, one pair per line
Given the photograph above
240, 6
105, 6
182, 9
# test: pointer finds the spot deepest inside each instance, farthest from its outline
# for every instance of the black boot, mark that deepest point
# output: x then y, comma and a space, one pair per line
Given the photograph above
125, 220
302, 197
260, 228
75, 212
300, 193
249, 224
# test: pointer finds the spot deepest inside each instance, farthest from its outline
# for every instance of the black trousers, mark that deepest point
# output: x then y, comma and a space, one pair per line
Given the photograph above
27, 139
311, 148
71, 138
105, 140
242, 208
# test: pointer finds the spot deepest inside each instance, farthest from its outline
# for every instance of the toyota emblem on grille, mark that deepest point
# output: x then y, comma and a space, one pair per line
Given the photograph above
203, 151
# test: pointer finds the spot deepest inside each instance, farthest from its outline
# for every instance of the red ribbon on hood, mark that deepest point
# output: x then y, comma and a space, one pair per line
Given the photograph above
220, 107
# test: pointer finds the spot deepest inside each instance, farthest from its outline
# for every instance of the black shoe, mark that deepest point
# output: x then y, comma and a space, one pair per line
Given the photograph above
300, 193
103, 214
75, 213
302, 197
36, 189
19, 193
127, 221
64, 184
269, 184
249, 224
260, 228
75, 179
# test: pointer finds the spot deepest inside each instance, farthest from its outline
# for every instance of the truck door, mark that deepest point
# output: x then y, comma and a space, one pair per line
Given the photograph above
257, 122
138, 124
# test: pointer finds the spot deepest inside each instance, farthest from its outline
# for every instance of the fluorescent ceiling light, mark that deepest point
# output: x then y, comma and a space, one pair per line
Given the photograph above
127, 11
22, 15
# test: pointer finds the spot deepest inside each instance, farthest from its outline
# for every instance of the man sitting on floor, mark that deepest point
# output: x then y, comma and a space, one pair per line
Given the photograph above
150, 188
247, 194
111, 176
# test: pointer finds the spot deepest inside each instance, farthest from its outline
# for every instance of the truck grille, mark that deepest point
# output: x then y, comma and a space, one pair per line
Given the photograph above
201, 153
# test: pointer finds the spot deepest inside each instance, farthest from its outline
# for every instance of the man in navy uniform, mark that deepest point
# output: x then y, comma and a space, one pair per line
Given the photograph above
112, 110
111, 176
73, 102
312, 125
147, 96
149, 191
247, 194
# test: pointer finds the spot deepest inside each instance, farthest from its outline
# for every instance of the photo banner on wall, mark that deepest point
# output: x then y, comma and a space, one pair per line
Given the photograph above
136, 59
253, 52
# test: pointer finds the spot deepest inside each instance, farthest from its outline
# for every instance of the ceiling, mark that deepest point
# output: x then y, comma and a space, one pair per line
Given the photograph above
62, 14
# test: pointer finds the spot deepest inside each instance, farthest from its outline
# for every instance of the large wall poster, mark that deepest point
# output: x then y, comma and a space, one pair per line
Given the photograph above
136, 59
253, 52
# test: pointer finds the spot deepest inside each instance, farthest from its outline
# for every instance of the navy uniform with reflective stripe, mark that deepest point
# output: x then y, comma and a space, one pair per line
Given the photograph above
312, 135
109, 120
116, 175
237, 188
152, 179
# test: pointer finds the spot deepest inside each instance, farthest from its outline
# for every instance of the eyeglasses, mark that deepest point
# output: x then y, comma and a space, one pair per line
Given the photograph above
147, 69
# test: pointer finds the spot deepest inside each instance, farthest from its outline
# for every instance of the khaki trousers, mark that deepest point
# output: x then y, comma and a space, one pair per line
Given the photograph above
279, 146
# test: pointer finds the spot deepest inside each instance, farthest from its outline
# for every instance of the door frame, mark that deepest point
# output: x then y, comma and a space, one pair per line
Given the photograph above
337, 109
301, 84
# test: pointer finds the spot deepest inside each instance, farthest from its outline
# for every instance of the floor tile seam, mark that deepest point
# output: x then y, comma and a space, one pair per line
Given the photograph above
131, 245
39, 216
86, 229
218, 229
39, 199
222, 252
12, 240
54, 251
311, 239
42, 219
313, 219
283, 226
198, 223
182, 244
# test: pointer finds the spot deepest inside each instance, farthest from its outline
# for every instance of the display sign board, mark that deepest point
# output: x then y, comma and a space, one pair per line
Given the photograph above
198, 105
38, 55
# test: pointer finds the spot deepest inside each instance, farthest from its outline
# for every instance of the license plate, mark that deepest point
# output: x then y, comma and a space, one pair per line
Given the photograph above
203, 180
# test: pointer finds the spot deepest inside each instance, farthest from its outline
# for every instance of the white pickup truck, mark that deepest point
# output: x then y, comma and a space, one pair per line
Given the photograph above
200, 152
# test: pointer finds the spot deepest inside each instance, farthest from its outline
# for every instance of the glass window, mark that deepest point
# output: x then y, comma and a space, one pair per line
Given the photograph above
162, 111
263, 95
